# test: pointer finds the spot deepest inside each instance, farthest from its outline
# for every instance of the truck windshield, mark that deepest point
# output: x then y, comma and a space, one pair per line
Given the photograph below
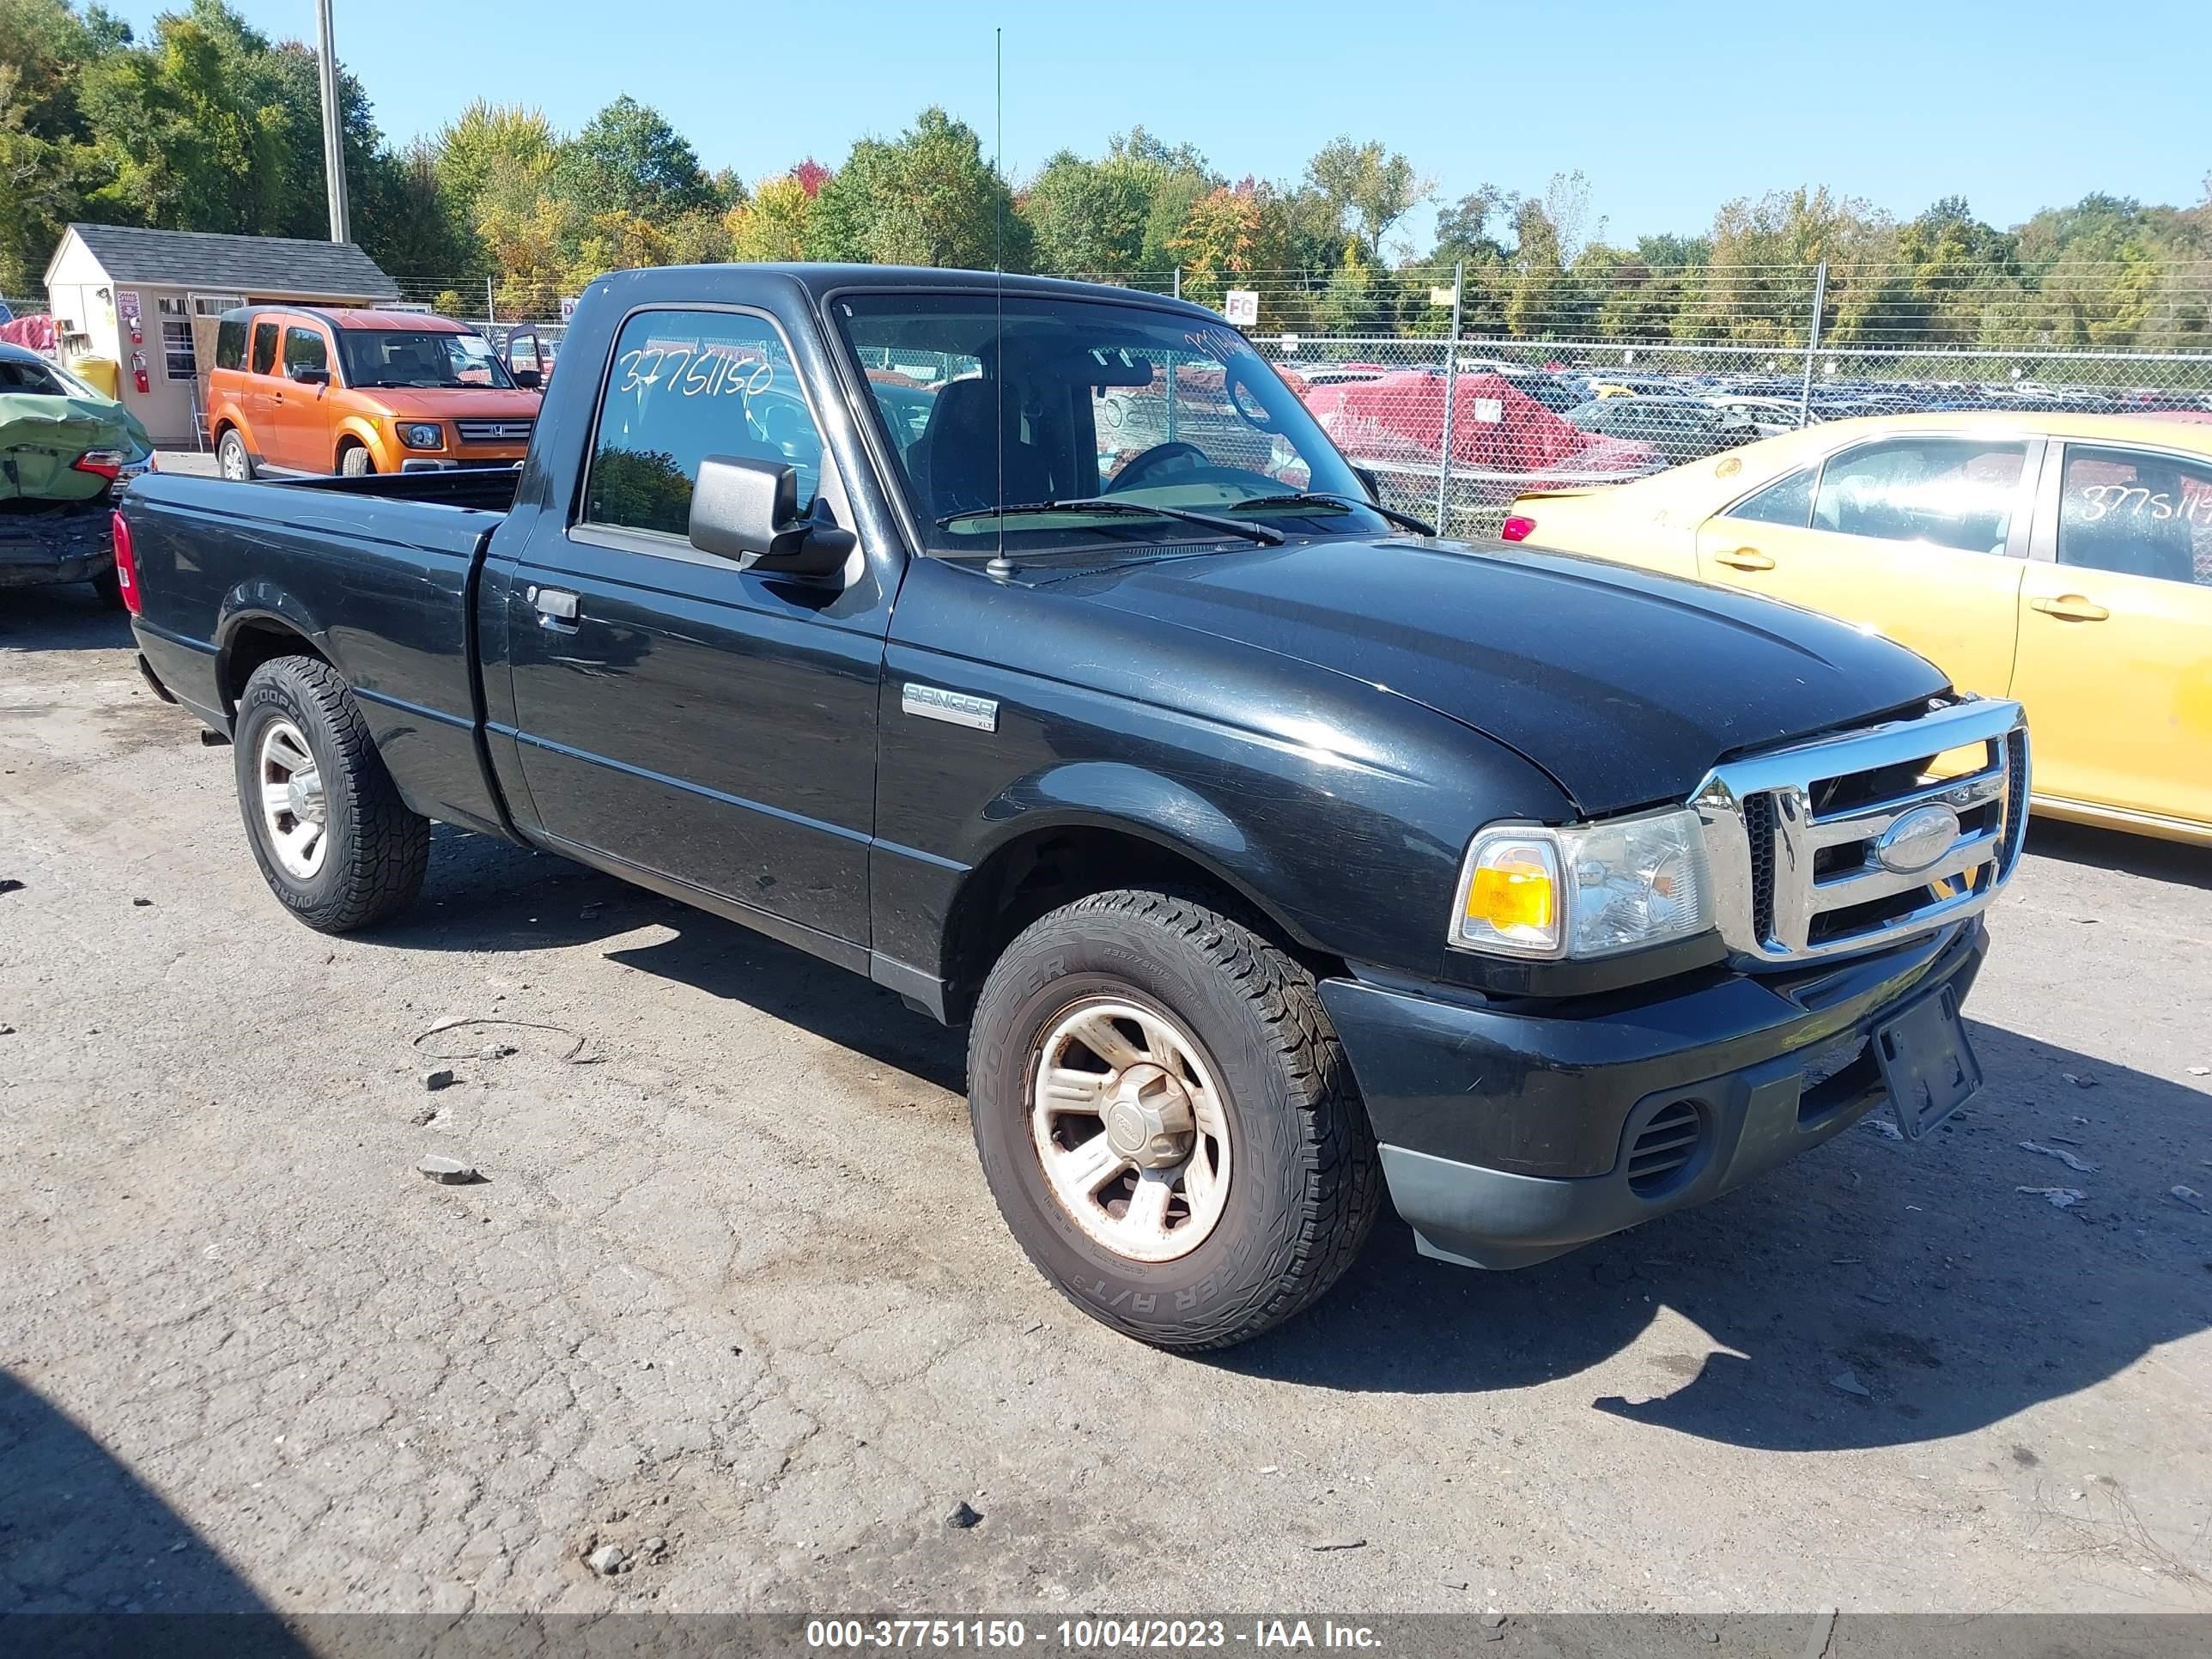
398, 357
1068, 402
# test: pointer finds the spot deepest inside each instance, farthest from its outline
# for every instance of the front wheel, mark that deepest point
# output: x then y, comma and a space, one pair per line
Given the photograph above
354, 462
334, 841
232, 460
1167, 1122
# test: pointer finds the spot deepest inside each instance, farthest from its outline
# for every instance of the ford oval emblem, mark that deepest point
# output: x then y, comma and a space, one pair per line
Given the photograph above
1918, 839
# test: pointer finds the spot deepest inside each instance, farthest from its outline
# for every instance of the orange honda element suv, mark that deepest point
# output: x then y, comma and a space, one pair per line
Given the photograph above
298, 389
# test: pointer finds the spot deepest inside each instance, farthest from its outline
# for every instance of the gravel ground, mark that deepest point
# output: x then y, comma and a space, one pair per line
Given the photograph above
732, 1298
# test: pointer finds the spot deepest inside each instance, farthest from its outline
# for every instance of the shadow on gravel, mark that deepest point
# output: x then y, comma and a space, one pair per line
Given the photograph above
1954, 1300
90, 1558
2131, 855
67, 618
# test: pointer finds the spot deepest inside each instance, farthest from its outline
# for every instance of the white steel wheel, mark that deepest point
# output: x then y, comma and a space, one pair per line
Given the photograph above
1130, 1129
294, 807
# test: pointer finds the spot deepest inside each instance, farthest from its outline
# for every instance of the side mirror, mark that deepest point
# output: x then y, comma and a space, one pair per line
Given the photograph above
307, 375
747, 511
528, 379
1371, 482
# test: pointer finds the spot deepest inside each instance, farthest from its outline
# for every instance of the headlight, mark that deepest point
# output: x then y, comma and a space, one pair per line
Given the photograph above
1592, 890
426, 434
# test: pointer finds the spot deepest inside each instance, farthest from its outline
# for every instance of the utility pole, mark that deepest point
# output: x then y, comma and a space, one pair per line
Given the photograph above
333, 127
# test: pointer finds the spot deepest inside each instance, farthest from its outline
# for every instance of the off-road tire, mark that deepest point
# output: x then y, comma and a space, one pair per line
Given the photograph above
1304, 1181
378, 849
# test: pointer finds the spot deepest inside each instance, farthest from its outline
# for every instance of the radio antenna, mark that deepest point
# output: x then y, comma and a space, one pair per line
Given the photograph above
1000, 565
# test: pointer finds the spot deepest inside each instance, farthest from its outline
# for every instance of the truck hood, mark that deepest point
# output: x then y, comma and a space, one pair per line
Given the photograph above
444, 402
1626, 687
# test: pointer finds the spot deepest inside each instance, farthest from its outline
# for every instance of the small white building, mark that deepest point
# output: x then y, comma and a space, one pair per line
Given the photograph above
147, 300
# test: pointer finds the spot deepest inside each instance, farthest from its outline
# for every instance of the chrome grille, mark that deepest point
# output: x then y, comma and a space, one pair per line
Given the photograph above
494, 432
1850, 843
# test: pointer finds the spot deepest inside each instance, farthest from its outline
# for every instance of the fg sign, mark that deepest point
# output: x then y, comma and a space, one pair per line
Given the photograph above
1241, 305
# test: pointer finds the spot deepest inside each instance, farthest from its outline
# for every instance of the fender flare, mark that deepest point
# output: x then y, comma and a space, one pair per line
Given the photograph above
363, 432
1135, 801
261, 600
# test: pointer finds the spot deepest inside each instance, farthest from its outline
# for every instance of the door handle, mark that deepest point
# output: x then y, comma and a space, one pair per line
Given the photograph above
557, 608
1745, 558
2071, 607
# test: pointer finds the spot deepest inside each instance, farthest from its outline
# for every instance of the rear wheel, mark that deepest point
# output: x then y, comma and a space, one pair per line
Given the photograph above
1167, 1122
354, 462
232, 460
334, 841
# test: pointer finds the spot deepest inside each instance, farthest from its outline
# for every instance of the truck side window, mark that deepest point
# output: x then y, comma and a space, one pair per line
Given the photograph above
1786, 501
1944, 492
264, 348
2136, 512
686, 384
303, 348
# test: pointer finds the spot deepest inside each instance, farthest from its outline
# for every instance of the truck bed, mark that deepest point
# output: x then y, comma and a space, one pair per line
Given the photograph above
380, 573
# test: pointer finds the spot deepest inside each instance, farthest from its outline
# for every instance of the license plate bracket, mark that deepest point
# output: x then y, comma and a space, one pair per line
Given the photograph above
1927, 1062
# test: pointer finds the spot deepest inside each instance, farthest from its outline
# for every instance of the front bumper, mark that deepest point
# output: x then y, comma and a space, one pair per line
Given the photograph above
1506, 1130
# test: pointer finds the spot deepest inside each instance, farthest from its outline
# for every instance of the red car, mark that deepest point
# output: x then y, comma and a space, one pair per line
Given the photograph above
1504, 442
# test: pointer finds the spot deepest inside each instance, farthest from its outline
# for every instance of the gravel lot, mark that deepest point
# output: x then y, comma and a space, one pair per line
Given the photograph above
732, 1282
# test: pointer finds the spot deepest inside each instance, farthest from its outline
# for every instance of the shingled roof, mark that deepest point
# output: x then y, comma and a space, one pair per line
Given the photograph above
250, 264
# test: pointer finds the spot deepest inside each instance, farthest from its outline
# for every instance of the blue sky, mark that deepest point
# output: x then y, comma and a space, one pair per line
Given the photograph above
1669, 108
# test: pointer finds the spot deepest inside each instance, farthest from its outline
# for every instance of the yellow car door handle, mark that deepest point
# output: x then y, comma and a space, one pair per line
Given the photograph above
2071, 607
1745, 558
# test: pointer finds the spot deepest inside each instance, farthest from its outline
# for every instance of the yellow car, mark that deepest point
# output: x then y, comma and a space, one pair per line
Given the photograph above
2063, 560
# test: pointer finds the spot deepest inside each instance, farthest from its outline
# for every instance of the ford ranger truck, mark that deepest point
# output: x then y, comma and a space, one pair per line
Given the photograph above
1026, 647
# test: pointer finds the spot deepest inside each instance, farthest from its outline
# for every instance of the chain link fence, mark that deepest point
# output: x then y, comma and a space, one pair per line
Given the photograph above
1462, 388
1455, 436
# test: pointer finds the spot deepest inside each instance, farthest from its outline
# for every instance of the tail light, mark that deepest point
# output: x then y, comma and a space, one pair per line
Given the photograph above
126, 566
1517, 529
101, 462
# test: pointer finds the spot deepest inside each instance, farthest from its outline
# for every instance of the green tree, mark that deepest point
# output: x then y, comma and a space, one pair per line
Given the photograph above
45, 138
1173, 177
1088, 218
1367, 188
926, 198
628, 159
774, 224
1534, 308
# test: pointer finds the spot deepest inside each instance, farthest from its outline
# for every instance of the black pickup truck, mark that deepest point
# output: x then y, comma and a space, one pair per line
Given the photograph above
1027, 647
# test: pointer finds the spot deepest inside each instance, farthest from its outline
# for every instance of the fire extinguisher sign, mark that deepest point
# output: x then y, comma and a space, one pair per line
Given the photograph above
126, 304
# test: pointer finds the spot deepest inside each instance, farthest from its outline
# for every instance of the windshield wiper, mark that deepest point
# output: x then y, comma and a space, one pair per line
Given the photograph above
1261, 533
1322, 498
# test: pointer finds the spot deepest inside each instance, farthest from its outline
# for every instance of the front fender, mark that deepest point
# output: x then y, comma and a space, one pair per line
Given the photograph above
363, 431
1132, 800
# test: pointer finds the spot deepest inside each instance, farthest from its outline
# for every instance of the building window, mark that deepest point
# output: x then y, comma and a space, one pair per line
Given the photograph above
177, 359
